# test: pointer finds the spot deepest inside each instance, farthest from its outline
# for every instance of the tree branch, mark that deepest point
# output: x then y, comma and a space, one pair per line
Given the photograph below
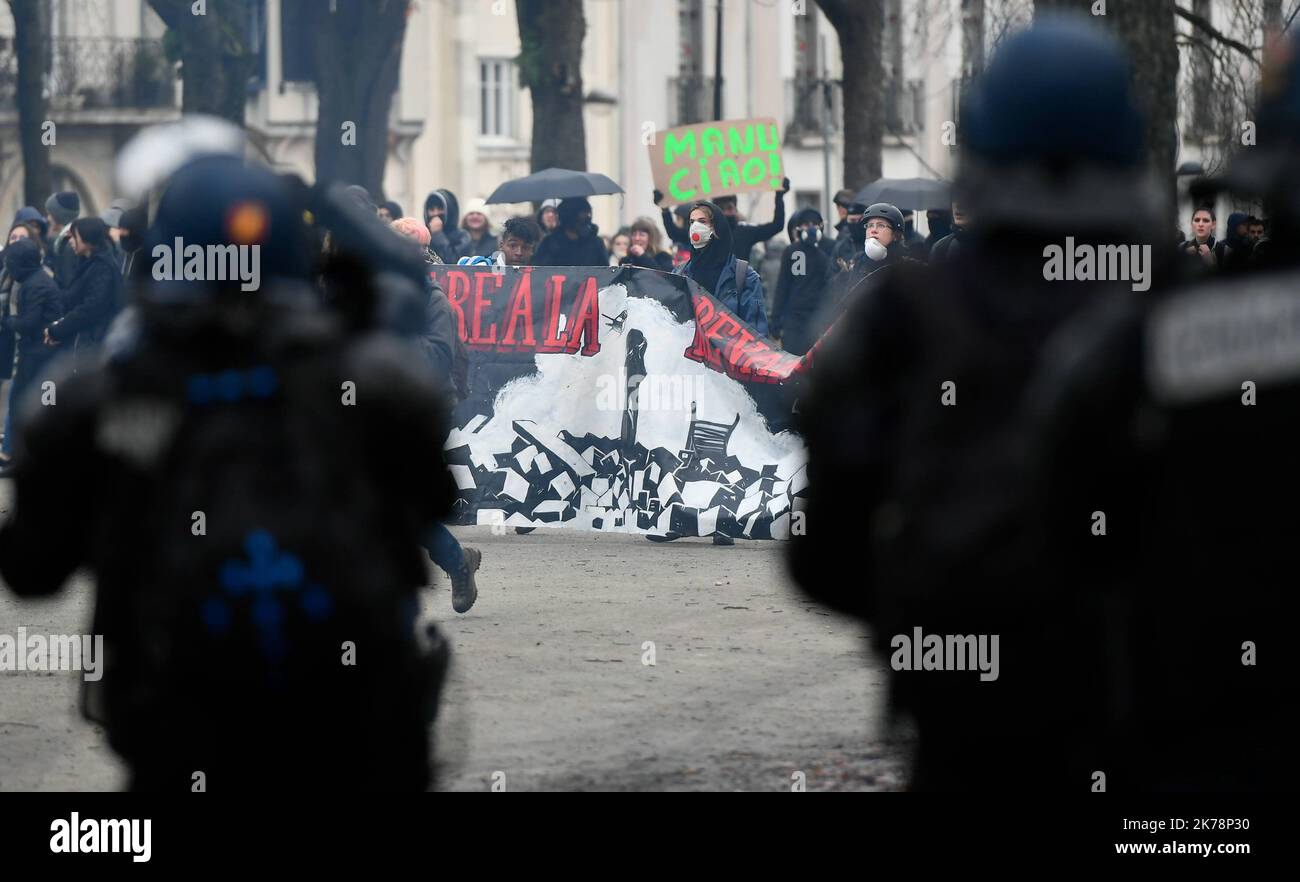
1202, 24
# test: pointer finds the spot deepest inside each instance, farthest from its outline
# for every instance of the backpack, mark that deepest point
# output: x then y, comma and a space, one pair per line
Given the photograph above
270, 616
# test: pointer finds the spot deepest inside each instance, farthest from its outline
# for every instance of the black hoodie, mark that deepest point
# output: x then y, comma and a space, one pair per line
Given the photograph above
450, 243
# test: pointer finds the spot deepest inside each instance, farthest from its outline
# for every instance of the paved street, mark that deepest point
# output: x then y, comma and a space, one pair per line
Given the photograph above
751, 683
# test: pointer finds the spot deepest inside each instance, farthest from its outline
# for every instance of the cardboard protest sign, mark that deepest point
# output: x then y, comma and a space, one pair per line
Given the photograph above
617, 399
717, 158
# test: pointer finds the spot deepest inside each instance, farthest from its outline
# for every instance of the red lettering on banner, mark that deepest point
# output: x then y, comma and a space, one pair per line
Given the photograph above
520, 313
554, 342
740, 353
699, 348
586, 322
458, 286
479, 303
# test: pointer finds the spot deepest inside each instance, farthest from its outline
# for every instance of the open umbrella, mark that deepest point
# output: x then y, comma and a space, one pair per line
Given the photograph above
553, 182
908, 194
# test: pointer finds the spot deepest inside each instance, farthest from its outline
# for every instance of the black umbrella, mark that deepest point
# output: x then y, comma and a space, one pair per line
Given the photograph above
908, 194
553, 183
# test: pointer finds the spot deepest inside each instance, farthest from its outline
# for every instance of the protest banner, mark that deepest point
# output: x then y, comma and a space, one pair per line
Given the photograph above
618, 399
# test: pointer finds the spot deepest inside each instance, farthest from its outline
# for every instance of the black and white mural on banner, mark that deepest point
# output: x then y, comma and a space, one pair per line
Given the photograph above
620, 399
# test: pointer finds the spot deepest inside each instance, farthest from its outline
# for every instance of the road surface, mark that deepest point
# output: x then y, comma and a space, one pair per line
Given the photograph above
751, 683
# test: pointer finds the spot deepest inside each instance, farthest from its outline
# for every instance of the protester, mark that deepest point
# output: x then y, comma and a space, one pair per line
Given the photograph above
801, 286
1256, 227
441, 215
112, 218
618, 246
940, 225
132, 225
61, 209
882, 248
36, 221
31, 304
576, 241
743, 236
1232, 253
950, 246
715, 267
482, 243
1201, 247
547, 218
390, 211
448, 364
644, 247
914, 403
843, 199
519, 238
851, 240
95, 294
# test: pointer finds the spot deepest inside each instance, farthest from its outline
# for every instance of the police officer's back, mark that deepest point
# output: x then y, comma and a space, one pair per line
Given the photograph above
247, 484
914, 426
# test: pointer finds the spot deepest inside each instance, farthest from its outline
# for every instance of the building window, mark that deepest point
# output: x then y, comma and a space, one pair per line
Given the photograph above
498, 84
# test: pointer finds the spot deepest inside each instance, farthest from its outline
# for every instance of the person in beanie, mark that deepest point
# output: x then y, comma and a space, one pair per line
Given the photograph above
442, 217
390, 211
482, 243
29, 215
32, 305
575, 241
95, 295
62, 209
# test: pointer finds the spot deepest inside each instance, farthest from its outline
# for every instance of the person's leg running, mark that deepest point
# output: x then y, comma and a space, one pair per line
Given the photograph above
458, 563
443, 549
6, 446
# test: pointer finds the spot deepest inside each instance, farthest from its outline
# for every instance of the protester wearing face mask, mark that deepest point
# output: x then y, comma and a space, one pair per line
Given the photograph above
743, 236
714, 267
576, 241
882, 247
801, 286
851, 239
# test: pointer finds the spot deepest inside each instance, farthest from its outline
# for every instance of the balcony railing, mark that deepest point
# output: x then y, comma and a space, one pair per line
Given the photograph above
804, 100
690, 100
904, 106
97, 73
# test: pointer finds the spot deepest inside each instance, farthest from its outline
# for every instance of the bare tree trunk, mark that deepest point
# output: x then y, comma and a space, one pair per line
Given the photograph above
550, 65
215, 59
859, 24
32, 46
1271, 15
972, 37
1147, 30
357, 57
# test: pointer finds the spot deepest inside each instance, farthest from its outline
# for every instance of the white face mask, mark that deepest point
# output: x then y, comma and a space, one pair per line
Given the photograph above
875, 250
701, 233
